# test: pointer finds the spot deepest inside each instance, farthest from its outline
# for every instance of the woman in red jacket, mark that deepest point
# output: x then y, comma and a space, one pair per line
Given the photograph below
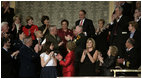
68, 62
30, 28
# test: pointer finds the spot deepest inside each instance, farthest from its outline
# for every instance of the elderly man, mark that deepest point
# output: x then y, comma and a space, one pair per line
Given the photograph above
4, 29
28, 59
87, 24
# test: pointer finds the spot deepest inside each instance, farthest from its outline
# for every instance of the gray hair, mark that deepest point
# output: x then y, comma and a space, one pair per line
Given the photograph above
3, 23
131, 41
51, 27
26, 39
120, 8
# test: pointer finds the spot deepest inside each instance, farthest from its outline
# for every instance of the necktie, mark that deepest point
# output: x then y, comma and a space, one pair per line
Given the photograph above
81, 23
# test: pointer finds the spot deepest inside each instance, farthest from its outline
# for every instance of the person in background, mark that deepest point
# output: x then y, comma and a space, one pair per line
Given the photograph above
28, 59
4, 30
16, 26
130, 59
88, 58
48, 61
87, 24
45, 27
138, 4
30, 28
68, 64
63, 33
137, 18
58, 44
7, 13
110, 61
7, 60
101, 38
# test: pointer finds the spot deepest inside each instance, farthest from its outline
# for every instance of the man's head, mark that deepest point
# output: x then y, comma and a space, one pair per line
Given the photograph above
28, 41
137, 12
82, 14
6, 43
132, 26
4, 27
53, 30
130, 43
138, 4
38, 34
5, 3
78, 30
118, 11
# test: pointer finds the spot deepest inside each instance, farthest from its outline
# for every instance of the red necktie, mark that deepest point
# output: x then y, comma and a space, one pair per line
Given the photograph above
81, 23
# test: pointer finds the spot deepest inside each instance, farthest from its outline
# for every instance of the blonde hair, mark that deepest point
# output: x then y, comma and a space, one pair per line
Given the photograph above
14, 18
93, 42
71, 45
113, 50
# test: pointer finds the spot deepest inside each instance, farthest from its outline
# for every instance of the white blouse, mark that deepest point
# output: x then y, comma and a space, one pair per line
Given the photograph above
51, 61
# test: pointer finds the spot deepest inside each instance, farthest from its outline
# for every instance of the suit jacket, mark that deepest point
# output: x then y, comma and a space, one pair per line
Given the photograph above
131, 56
87, 27
28, 59
7, 69
55, 40
42, 29
121, 30
68, 64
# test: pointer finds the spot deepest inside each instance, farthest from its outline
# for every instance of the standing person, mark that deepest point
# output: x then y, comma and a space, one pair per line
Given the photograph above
28, 59
137, 18
119, 30
68, 64
16, 26
88, 58
63, 33
7, 13
30, 28
101, 38
4, 30
48, 61
110, 61
87, 24
45, 27
7, 60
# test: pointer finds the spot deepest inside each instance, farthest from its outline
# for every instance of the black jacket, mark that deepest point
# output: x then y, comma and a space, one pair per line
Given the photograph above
28, 59
87, 27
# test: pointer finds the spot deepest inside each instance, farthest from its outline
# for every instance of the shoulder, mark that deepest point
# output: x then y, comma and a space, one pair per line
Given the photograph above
89, 20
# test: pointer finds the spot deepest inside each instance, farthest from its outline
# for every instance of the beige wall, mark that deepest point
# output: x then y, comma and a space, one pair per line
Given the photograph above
110, 10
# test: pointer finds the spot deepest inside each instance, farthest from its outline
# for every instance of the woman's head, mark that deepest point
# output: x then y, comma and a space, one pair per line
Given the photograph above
47, 47
45, 20
29, 20
70, 46
101, 23
112, 51
64, 24
16, 19
132, 25
90, 43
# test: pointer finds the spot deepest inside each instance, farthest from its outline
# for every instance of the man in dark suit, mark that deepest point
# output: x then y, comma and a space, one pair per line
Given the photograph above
119, 30
137, 18
80, 41
87, 24
28, 59
7, 60
135, 34
130, 59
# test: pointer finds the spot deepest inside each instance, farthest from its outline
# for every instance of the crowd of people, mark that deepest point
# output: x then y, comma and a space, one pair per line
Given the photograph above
29, 51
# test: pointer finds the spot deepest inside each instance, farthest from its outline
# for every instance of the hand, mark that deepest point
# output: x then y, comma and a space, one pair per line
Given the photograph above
15, 53
51, 53
59, 57
85, 51
120, 60
37, 48
68, 37
60, 43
